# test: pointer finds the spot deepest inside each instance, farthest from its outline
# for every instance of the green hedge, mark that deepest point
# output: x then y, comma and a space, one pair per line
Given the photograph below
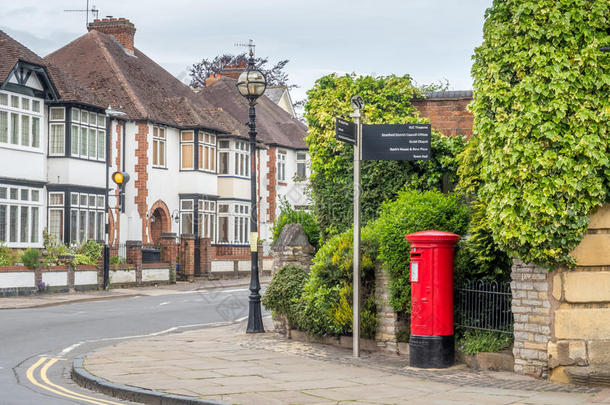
284, 292
413, 211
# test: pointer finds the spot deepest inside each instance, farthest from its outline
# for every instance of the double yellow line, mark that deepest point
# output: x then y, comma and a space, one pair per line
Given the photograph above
46, 384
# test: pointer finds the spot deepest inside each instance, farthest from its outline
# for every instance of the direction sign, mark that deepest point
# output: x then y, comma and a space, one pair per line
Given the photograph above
396, 142
346, 131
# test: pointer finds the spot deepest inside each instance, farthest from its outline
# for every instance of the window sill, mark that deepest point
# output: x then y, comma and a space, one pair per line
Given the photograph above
281, 183
21, 148
160, 167
230, 176
76, 158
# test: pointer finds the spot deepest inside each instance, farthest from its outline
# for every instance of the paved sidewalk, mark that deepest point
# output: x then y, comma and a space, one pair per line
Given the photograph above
50, 299
225, 364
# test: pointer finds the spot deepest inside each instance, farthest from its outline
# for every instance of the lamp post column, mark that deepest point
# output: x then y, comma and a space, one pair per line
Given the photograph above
255, 319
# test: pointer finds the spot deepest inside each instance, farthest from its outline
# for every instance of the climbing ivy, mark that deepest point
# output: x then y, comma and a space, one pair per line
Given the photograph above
539, 158
388, 100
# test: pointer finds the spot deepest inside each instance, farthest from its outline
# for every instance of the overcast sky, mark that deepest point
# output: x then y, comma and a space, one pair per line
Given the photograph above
428, 39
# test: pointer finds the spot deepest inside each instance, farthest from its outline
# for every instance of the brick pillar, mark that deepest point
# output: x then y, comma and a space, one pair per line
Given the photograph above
187, 259
532, 311
169, 250
134, 257
205, 256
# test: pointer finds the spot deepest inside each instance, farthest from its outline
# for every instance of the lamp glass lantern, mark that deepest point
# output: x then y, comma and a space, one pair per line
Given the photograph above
251, 83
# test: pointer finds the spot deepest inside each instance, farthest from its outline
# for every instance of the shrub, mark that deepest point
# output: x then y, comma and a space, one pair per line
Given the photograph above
413, 211
326, 305
477, 341
89, 252
5, 256
289, 215
31, 258
284, 291
117, 260
53, 249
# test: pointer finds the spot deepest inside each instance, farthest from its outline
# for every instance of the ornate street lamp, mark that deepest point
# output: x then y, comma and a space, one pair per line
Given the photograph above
251, 84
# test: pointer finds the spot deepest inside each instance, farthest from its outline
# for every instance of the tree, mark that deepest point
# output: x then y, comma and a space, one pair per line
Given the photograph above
275, 75
388, 100
538, 162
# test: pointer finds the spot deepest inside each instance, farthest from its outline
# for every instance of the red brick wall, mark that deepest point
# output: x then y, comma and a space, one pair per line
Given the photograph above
141, 183
272, 183
448, 115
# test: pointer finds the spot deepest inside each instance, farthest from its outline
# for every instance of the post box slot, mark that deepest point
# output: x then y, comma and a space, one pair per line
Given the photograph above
415, 254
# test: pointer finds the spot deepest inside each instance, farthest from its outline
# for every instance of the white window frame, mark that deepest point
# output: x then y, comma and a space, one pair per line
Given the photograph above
186, 143
159, 138
207, 148
87, 204
241, 153
95, 132
303, 163
15, 117
207, 219
33, 233
238, 222
281, 166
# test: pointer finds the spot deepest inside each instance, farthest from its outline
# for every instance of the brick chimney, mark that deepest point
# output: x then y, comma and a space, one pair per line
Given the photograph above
120, 28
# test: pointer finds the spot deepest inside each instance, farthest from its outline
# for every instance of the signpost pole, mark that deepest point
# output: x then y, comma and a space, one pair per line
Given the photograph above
356, 281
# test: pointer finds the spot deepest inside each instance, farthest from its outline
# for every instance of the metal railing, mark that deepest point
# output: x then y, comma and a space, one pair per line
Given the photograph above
484, 305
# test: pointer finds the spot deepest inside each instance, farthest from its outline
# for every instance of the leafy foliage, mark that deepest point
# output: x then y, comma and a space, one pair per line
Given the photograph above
284, 292
539, 160
8, 256
477, 341
31, 258
289, 215
413, 211
387, 100
327, 296
89, 252
275, 74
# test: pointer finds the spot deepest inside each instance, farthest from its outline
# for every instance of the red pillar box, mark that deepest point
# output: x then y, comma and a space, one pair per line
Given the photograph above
432, 341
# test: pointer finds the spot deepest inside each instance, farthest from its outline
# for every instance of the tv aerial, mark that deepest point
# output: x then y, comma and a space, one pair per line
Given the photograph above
94, 11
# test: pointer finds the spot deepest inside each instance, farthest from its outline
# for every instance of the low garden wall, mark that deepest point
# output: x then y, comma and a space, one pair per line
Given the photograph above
20, 280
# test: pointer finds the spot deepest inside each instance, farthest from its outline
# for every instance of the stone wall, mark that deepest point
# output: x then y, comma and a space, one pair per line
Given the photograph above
579, 350
562, 318
292, 247
532, 311
385, 335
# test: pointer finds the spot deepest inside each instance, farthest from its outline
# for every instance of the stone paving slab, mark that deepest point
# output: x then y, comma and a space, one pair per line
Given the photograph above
227, 365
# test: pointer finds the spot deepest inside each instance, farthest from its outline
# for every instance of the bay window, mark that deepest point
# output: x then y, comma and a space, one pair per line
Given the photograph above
233, 222
207, 151
19, 215
20, 121
88, 134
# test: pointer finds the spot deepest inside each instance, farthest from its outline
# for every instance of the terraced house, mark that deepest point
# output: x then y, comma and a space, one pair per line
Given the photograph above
99, 101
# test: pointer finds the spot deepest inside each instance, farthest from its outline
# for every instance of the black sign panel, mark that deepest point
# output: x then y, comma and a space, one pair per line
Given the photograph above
396, 142
346, 131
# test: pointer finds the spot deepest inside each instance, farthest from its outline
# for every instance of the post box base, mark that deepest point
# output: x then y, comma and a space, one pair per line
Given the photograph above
431, 351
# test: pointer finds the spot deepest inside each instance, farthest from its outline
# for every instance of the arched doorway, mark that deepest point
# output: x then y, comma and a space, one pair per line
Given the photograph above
160, 222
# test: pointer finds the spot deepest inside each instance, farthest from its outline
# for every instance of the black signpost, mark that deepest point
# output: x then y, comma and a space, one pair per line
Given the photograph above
376, 142
396, 142
346, 131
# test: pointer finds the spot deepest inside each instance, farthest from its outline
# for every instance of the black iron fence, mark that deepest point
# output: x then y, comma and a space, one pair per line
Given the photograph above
484, 305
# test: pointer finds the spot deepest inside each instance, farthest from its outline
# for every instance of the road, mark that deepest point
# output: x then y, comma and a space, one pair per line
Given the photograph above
38, 345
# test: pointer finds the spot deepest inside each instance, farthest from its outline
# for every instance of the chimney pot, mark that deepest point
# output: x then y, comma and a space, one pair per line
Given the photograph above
120, 29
